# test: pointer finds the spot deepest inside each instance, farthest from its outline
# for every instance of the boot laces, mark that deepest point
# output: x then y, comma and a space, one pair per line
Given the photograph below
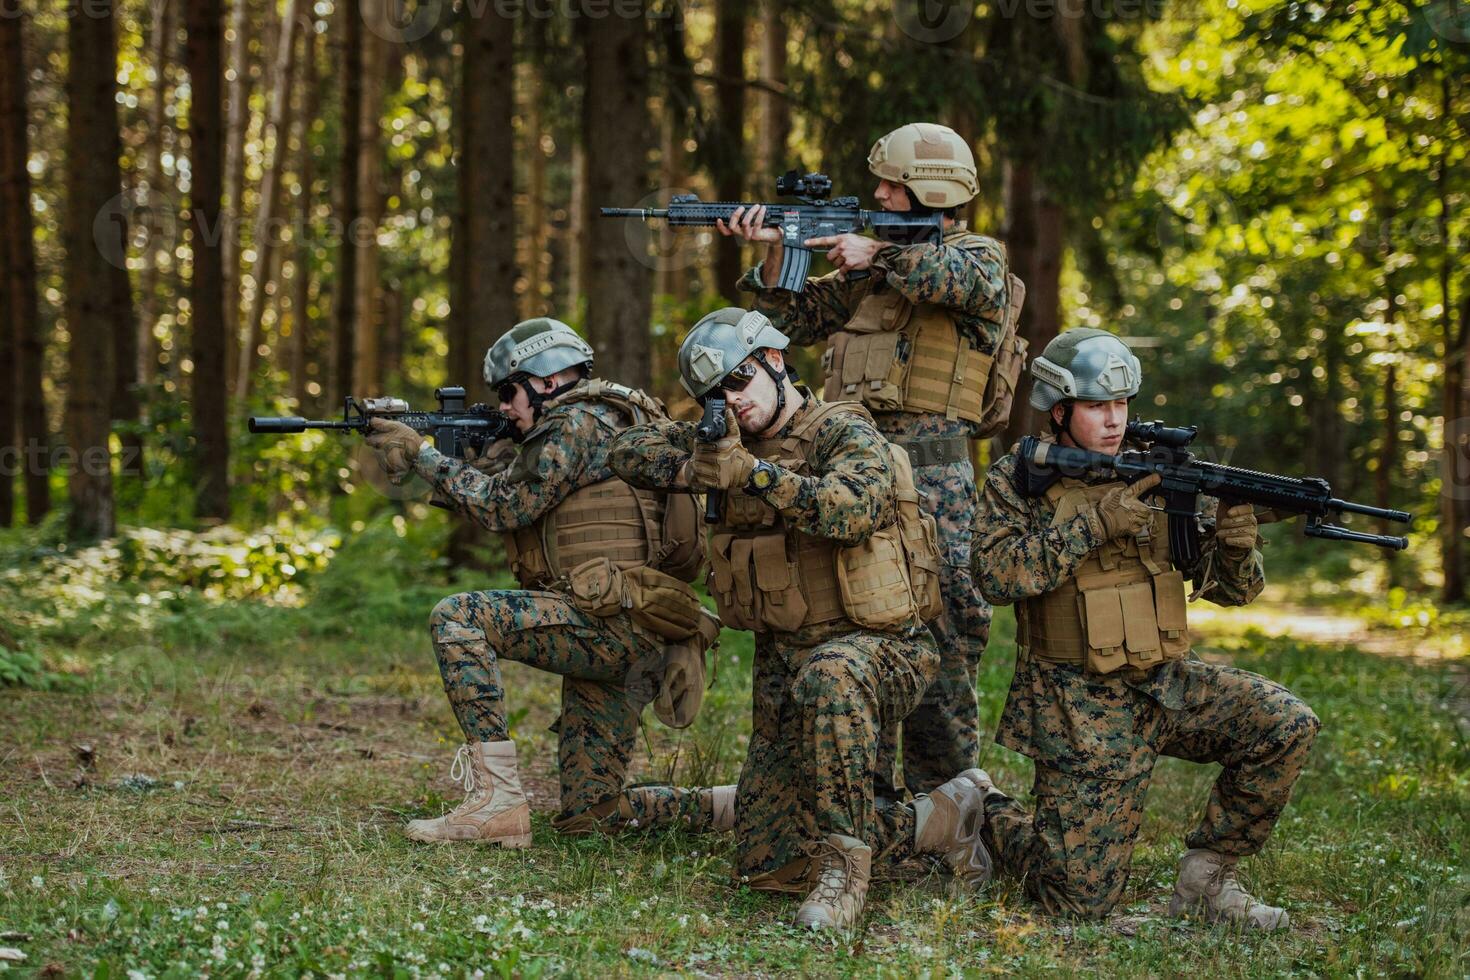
462, 769
838, 867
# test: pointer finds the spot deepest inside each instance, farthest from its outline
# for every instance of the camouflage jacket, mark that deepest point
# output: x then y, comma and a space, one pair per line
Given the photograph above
1055, 713
566, 451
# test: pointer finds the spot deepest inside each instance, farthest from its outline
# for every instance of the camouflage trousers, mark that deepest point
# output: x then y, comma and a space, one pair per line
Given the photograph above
1073, 850
609, 672
941, 736
816, 716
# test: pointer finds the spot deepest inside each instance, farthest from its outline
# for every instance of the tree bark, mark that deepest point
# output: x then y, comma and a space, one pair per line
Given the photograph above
579, 227
775, 132
161, 45
1034, 237
367, 372
93, 181
19, 320
211, 337
534, 262
618, 131
302, 324
237, 131
276, 145
730, 23
350, 29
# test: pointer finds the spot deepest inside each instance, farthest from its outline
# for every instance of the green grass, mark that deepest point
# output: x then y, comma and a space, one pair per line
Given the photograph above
251, 766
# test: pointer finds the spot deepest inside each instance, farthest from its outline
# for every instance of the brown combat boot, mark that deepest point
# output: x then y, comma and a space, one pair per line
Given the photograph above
843, 868
1208, 886
947, 823
494, 810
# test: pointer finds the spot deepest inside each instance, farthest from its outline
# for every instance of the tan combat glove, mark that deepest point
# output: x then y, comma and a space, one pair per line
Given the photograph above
721, 465
1235, 529
1121, 512
397, 445
495, 458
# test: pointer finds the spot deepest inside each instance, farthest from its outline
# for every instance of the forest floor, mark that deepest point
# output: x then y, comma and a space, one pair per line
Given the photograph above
223, 791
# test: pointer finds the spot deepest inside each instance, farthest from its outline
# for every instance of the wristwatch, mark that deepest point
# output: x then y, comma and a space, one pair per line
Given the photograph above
762, 477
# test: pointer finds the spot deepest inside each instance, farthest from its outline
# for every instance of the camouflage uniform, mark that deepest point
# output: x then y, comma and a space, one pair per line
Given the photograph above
1094, 738
821, 693
609, 668
941, 736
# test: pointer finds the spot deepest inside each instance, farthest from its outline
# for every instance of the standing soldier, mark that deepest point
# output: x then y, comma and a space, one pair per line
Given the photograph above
579, 541
912, 332
1105, 679
822, 551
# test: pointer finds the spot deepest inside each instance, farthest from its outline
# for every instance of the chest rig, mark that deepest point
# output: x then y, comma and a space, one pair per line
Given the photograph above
1125, 607
608, 519
899, 356
768, 577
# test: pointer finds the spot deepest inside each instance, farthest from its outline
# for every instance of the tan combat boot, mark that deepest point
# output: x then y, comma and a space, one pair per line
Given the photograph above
1208, 886
843, 867
494, 810
947, 823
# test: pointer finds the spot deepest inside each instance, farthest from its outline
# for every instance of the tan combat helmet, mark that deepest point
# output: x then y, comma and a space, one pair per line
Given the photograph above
932, 161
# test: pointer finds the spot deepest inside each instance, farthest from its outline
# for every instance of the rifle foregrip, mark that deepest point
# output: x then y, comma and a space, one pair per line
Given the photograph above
714, 504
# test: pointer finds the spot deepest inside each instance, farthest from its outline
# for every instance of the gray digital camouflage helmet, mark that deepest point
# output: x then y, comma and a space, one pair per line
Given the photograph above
719, 342
539, 347
1091, 365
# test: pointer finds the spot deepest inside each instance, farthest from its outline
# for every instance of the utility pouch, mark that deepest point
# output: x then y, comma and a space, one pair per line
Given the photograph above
660, 603
873, 578
1103, 613
597, 588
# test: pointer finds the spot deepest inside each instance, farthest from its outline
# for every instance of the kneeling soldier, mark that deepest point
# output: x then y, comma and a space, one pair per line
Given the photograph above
821, 549
580, 542
1105, 679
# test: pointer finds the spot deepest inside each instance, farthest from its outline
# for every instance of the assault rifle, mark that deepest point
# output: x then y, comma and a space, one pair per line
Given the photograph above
455, 427
712, 429
815, 217
1185, 477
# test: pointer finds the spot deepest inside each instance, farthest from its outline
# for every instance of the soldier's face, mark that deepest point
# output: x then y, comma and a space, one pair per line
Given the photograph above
518, 407
891, 196
1095, 426
755, 404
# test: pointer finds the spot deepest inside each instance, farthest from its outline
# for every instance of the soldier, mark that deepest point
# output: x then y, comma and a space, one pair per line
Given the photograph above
1105, 679
913, 338
578, 540
822, 551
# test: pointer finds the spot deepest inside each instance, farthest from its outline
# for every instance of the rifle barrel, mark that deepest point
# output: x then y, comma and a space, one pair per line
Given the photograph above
635, 213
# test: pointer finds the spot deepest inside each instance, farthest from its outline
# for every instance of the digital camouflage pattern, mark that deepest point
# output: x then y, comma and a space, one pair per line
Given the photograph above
942, 736
820, 695
610, 670
1095, 738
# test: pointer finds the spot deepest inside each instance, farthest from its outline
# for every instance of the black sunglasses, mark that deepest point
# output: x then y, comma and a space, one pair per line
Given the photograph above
738, 379
506, 390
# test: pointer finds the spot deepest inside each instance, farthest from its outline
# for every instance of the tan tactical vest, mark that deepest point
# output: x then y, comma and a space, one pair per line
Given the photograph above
943, 374
1125, 606
769, 578
605, 520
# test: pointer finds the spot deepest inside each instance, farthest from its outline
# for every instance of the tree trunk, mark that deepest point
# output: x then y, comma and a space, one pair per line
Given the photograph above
276, 145
161, 45
729, 175
302, 323
350, 29
93, 182
534, 261
237, 132
367, 372
579, 228
207, 300
775, 130
618, 130
1034, 241
1456, 431
19, 321
673, 279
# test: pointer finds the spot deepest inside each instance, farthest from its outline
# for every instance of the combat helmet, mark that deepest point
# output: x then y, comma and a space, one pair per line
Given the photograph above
1093, 365
540, 348
932, 161
720, 341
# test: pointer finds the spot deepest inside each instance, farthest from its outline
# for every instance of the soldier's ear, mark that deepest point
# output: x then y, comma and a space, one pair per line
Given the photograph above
776, 359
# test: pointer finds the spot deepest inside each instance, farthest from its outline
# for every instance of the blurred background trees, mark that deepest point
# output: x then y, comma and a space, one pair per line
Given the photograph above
212, 208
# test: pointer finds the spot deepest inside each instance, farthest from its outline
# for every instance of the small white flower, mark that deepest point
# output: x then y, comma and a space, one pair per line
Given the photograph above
418, 927
37, 881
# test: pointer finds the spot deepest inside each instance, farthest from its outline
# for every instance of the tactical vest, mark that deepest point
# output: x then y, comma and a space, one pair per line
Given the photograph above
1125, 607
770, 578
899, 356
610, 519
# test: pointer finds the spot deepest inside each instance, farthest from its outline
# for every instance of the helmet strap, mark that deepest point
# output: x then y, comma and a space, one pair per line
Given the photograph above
538, 400
777, 376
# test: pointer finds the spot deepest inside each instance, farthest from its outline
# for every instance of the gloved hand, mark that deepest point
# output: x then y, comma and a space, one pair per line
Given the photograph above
1235, 529
1122, 513
494, 458
721, 465
397, 445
